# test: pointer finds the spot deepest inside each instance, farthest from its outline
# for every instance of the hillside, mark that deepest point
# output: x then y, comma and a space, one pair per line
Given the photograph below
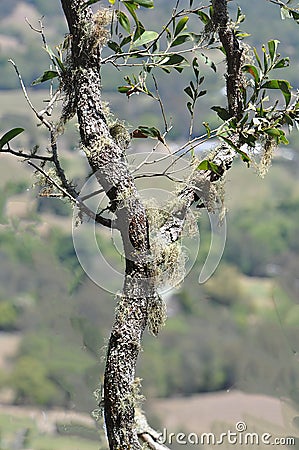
19, 42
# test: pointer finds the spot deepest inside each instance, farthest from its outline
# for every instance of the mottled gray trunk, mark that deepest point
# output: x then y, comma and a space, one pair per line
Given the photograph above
234, 58
107, 161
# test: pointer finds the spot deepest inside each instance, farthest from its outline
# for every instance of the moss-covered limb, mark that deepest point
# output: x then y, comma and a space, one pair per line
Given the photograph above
234, 57
120, 398
200, 184
107, 161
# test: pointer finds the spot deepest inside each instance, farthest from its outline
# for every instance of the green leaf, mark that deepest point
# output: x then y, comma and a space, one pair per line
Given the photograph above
60, 63
244, 155
174, 60
114, 46
125, 41
144, 3
240, 16
295, 15
201, 93
278, 135
221, 112
204, 165
265, 70
288, 120
124, 89
9, 136
150, 131
203, 17
131, 7
274, 132
46, 76
189, 91
139, 30
190, 107
181, 39
145, 38
283, 85
181, 25
284, 62
124, 21
242, 34
208, 62
209, 165
195, 67
208, 129
252, 70
272, 46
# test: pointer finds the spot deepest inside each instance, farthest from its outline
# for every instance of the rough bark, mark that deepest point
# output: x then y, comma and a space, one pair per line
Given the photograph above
234, 57
107, 161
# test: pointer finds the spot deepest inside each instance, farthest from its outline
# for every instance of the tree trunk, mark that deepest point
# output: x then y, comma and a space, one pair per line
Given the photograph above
107, 161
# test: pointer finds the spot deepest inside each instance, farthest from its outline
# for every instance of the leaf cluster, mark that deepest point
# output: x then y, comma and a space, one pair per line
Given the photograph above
264, 118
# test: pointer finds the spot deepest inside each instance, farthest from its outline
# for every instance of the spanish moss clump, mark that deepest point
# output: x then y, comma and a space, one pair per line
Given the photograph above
95, 36
168, 262
155, 214
120, 135
69, 97
156, 314
47, 188
266, 160
102, 18
136, 392
165, 257
220, 187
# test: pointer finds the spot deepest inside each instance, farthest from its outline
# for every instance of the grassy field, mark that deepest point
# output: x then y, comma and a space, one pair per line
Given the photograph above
41, 428
216, 412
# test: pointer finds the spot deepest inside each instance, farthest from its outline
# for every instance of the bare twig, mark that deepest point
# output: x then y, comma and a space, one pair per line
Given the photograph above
76, 200
32, 107
50, 104
44, 39
158, 97
60, 172
145, 54
157, 175
92, 194
49, 178
21, 154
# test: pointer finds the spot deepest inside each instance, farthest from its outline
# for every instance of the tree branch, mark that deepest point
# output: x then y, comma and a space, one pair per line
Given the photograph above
21, 154
234, 57
32, 107
199, 185
76, 200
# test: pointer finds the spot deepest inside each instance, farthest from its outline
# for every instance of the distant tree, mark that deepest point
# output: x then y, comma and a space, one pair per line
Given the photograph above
252, 126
